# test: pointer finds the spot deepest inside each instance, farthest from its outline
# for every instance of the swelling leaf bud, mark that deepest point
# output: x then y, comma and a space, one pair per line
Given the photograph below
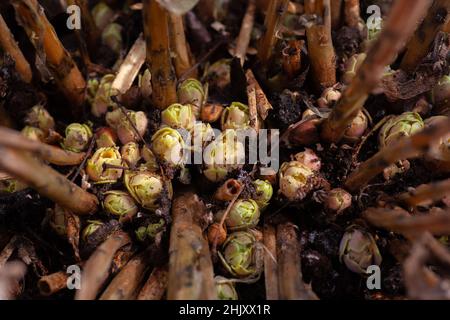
97, 169
329, 97
105, 137
119, 204
150, 231
90, 229
178, 116
400, 126
438, 157
263, 193
126, 131
236, 116
310, 159
338, 200
357, 128
102, 99
225, 289
168, 146
244, 214
102, 15
39, 117
294, 180
130, 154
33, 133
191, 92
77, 137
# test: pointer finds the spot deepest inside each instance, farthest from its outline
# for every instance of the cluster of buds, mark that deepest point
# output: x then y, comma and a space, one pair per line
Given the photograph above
244, 214
223, 155
178, 116
225, 289
239, 254
146, 188
105, 165
168, 146
150, 231
39, 117
77, 137
438, 157
236, 116
120, 204
191, 92
263, 193
358, 250
102, 98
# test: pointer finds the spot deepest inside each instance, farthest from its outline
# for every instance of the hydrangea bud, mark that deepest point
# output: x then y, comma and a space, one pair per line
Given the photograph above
191, 92
202, 134
400, 126
357, 128
102, 99
77, 137
294, 178
236, 116
150, 160
263, 193
150, 231
33, 133
244, 214
130, 154
168, 146
358, 250
90, 229
310, 159
328, 98
338, 200
238, 254
119, 204
97, 165
105, 137
114, 118
178, 116
126, 131
39, 117
112, 37
225, 289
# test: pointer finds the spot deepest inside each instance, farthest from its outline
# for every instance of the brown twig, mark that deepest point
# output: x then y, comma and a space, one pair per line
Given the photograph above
427, 193
47, 181
8, 251
270, 262
156, 31
9, 45
97, 267
352, 13
320, 44
156, 285
419, 45
227, 191
53, 283
290, 283
179, 45
336, 13
262, 103
274, 15
13, 139
402, 22
292, 58
190, 267
243, 39
43, 36
403, 149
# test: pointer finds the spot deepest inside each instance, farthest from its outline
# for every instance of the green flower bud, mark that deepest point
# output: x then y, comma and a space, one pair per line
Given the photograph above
150, 231
130, 153
102, 99
77, 137
39, 117
357, 128
120, 204
225, 289
358, 250
125, 130
150, 160
238, 254
112, 37
11, 185
244, 214
400, 126
223, 155
236, 116
178, 116
105, 137
263, 193
191, 92
97, 168
33, 133
145, 187
168, 146
294, 178
102, 15
352, 66
90, 229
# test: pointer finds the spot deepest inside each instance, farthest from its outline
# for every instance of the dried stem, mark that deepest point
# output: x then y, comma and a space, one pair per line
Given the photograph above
262, 103
47, 181
272, 22
253, 111
336, 13
43, 36
403, 149
402, 22
427, 193
399, 221
156, 285
130, 67
290, 283
53, 283
291, 58
9, 45
126, 283
179, 45
419, 45
8, 251
156, 31
228, 190
320, 44
270, 262
191, 274
97, 267
13, 139
243, 39
352, 13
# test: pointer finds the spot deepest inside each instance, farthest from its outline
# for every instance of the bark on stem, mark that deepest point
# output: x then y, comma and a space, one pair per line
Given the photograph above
156, 31
336, 11
126, 283
428, 193
13, 139
352, 13
156, 285
320, 44
47, 181
290, 283
9, 45
408, 147
97, 267
179, 46
228, 190
43, 36
53, 283
274, 14
419, 45
270, 262
191, 274
243, 39
402, 22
